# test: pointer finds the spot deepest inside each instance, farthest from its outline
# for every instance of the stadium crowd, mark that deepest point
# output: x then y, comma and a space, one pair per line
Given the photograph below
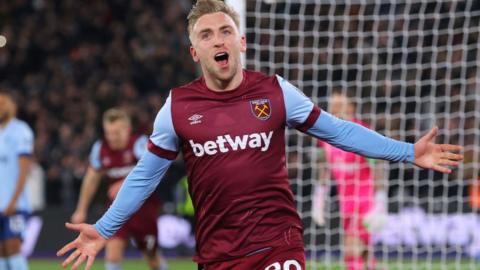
69, 61
407, 66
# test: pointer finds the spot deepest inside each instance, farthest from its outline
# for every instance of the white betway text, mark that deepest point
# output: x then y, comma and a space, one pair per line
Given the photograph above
226, 143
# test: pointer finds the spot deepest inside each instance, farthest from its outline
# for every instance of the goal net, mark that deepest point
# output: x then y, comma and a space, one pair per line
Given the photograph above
408, 66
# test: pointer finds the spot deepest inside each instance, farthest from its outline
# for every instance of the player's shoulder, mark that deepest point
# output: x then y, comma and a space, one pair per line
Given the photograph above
254, 78
97, 145
21, 127
137, 138
253, 75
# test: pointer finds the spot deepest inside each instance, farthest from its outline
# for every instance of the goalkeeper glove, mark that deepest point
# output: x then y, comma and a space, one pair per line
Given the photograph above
376, 219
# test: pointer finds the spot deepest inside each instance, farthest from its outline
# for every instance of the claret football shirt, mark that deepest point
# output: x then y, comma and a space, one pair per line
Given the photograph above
234, 149
233, 144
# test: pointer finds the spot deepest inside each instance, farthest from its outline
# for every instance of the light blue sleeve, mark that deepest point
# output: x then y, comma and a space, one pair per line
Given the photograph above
94, 157
138, 186
301, 113
140, 146
25, 140
361, 140
164, 135
298, 106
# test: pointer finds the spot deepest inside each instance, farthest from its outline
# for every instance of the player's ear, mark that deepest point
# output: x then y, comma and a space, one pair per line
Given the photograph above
11, 107
243, 44
193, 52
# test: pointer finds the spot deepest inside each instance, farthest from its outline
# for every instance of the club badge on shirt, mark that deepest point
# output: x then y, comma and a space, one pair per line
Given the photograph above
261, 108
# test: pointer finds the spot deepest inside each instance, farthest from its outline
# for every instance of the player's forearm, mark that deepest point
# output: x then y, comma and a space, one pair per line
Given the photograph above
358, 139
89, 188
137, 187
24, 168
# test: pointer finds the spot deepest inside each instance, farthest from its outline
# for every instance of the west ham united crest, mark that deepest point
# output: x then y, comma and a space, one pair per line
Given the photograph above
261, 108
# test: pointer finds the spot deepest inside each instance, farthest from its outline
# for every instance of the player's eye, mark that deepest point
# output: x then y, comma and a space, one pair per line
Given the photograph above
205, 35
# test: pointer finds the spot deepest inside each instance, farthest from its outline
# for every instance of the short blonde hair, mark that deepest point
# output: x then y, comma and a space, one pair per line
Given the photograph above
203, 7
115, 114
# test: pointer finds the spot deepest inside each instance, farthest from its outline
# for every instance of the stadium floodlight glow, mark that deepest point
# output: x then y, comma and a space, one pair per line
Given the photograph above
3, 41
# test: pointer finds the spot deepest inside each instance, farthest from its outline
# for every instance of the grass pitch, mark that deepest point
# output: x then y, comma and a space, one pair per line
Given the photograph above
173, 264
187, 264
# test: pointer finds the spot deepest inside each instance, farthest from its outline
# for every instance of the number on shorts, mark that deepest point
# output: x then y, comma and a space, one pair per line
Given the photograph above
150, 242
17, 224
287, 265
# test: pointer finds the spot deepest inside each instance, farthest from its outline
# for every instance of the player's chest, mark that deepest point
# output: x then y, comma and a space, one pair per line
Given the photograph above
117, 159
206, 119
8, 146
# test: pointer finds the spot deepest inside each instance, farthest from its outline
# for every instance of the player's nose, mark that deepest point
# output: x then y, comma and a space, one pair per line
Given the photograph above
218, 41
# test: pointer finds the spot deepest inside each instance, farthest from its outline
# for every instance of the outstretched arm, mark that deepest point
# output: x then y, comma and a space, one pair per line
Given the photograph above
138, 186
303, 115
352, 137
90, 183
163, 147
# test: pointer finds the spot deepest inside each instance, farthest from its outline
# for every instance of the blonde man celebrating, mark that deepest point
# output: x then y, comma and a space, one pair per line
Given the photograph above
230, 127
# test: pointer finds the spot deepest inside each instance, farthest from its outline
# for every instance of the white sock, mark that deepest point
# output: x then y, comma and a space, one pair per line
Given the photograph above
17, 262
163, 264
3, 263
113, 266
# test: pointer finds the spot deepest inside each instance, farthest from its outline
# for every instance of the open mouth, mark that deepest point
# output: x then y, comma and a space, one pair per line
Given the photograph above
221, 58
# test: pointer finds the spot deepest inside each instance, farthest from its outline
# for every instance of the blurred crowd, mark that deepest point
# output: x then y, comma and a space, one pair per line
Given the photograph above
68, 61
408, 65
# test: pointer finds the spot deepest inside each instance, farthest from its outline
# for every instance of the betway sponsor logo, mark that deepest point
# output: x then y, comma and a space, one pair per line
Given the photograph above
226, 143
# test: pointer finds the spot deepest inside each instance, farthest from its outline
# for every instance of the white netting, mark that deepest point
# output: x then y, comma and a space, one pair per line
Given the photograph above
409, 65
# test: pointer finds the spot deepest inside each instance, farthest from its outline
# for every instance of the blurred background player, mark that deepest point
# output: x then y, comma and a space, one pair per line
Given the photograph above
16, 149
360, 190
114, 157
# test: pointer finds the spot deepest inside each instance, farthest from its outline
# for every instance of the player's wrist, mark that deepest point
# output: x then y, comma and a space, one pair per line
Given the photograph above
100, 231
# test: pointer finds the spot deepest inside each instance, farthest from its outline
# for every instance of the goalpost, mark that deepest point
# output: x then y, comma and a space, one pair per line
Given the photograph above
409, 65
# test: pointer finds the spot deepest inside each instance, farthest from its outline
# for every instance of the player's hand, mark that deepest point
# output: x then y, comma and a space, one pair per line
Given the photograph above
10, 210
439, 157
78, 216
85, 247
376, 219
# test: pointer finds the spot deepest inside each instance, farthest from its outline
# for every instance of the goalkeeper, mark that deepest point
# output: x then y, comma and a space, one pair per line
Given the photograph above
362, 201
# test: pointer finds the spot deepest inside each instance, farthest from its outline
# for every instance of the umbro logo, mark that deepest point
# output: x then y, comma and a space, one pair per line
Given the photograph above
195, 119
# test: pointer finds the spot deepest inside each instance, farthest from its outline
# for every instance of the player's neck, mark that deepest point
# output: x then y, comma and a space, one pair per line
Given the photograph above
218, 85
118, 147
4, 122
